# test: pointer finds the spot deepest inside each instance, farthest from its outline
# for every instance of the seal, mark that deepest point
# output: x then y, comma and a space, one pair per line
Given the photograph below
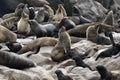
61, 76
17, 12
113, 50
39, 42
67, 23
23, 27
6, 34
92, 33
19, 9
104, 73
59, 52
79, 62
80, 30
15, 61
32, 13
10, 23
60, 13
42, 30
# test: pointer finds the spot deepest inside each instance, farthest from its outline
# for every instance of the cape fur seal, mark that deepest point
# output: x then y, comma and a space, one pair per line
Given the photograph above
7, 6
6, 34
67, 23
15, 61
113, 50
9, 23
61, 76
42, 30
106, 74
60, 13
44, 41
79, 62
17, 12
23, 27
80, 30
14, 47
93, 35
59, 52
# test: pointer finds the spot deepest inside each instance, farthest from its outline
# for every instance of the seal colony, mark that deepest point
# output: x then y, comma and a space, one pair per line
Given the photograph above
72, 30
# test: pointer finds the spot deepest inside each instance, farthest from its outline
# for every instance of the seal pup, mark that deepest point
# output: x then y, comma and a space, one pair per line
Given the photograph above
17, 12
39, 42
14, 47
59, 52
32, 13
113, 50
67, 23
61, 76
23, 27
42, 30
79, 62
104, 73
6, 34
60, 13
15, 61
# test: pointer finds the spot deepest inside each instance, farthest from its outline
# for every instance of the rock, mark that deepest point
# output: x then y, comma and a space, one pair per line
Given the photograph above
43, 74
86, 73
113, 64
82, 46
90, 10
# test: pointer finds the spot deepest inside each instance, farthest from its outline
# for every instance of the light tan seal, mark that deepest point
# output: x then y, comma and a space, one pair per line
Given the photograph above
59, 52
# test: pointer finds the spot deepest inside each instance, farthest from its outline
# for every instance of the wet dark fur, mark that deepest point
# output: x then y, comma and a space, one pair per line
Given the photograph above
61, 76
113, 50
104, 73
79, 62
14, 47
